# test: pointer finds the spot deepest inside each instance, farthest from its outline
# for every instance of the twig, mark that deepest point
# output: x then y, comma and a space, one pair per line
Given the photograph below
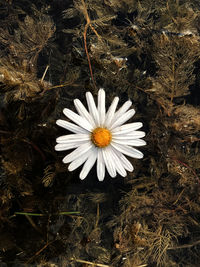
186, 245
38, 252
88, 24
178, 197
35, 147
98, 264
88, 57
44, 73
89, 262
97, 218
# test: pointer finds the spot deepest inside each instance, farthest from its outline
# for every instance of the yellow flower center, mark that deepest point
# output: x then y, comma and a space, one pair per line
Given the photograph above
101, 137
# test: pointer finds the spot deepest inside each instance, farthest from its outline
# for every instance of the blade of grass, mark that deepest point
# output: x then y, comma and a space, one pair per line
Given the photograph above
41, 214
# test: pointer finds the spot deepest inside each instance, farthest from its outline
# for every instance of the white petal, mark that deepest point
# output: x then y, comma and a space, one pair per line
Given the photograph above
89, 163
73, 138
122, 110
118, 165
101, 106
137, 134
111, 111
123, 118
79, 161
78, 152
92, 107
83, 111
125, 162
70, 126
129, 136
77, 119
133, 142
109, 162
127, 128
127, 150
62, 147
100, 166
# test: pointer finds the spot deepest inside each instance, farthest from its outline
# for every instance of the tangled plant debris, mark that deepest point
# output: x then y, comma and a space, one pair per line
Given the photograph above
54, 52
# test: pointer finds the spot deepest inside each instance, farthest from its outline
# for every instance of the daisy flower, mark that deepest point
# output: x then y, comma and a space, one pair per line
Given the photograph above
100, 136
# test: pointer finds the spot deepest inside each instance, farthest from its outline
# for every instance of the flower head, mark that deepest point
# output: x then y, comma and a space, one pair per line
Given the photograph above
100, 136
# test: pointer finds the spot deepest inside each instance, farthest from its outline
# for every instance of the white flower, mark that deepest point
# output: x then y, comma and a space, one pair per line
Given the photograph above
100, 136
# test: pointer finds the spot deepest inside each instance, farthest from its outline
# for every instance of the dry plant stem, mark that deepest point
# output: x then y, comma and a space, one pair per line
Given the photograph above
88, 24
4, 132
35, 147
186, 245
89, 262
38, 252
31, 221
188, 167
155, 99
172, 18
33, 224
99, 264
86, 50
97, 218
63, 85
178, 197
30, 143
174, 80
46, 69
